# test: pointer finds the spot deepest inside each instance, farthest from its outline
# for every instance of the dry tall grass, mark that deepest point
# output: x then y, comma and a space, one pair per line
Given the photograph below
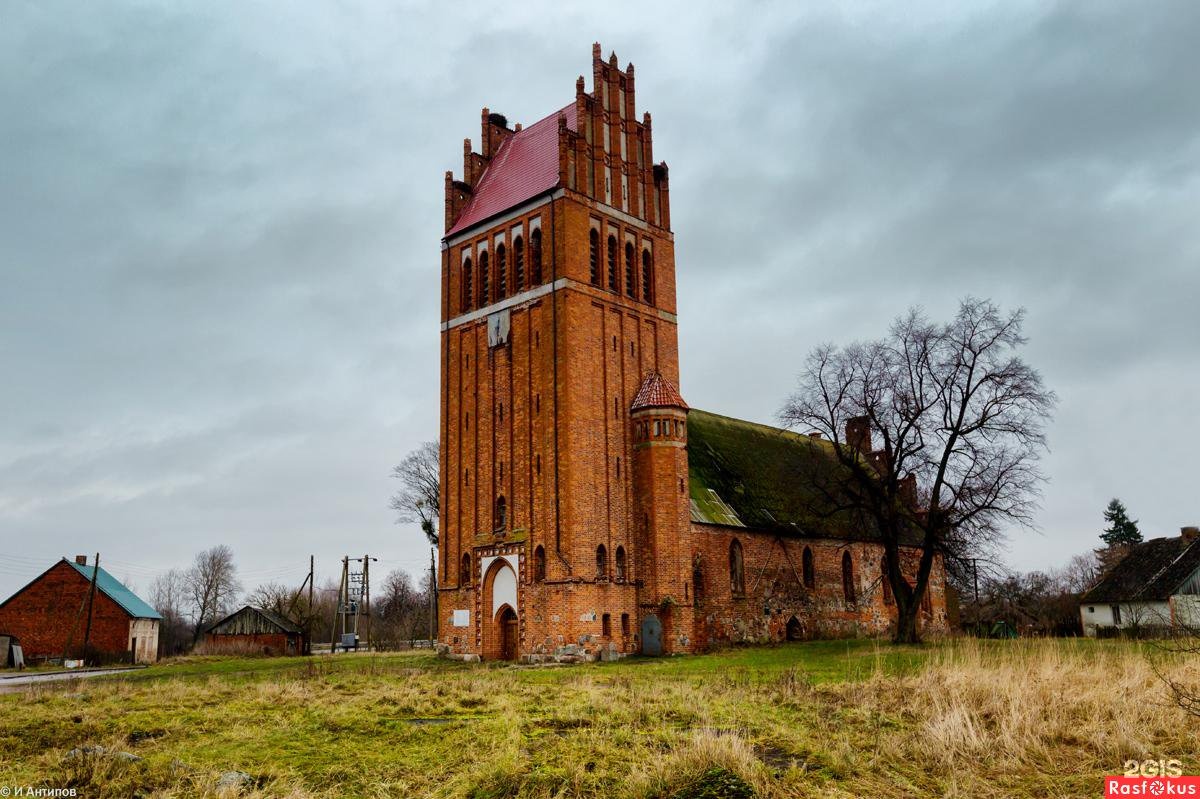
979, 719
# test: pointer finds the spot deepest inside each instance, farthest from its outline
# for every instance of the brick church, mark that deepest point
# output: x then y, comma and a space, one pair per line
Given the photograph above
584, 505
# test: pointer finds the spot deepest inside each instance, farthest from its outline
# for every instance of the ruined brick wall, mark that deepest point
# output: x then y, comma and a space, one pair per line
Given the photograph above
253, 643
774, 592
44, 614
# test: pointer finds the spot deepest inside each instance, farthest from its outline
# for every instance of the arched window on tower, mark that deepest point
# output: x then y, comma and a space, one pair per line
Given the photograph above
848, 577
501, 272
464, 571
601, 563
467, 295
539, 563
888, 599
737, 573
501, 514
612, 265
594, 256
647, 276
809, 572
484, 288
535, 256
620, 564
518, 265
630, 275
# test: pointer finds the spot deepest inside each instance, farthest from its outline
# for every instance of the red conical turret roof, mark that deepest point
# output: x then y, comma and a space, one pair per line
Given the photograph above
658, 392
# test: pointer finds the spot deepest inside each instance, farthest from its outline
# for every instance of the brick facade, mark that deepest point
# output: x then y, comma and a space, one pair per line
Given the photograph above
52, 609
556, 305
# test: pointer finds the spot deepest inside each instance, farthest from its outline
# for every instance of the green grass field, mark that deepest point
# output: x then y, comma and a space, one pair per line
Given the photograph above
834, 718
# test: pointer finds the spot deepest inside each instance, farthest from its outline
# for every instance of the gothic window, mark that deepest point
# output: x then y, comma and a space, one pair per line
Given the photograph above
539, 563
594, 256
620, 563
518, 265
625, 625
606, 625
630, 282
501, 272
810, 575
888, 599
601, 562
612, 264
737, 576
647, 276
535, 255
484, 295
501, 514
848, 577
464, 572
466, 285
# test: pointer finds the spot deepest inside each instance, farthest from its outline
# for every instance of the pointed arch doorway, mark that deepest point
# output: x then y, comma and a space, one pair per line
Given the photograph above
506, 623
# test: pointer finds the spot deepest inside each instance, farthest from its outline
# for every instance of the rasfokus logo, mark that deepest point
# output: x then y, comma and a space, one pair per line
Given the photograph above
1152, 778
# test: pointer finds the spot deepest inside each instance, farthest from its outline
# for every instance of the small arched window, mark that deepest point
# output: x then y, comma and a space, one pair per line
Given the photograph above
539, 563
518, 265
601, 562
501, 514
501, 272
612, 264
630, 276
810, 573
848, 577
620, 563
647, 276
594, 257
484, 288
737, 574
464, 572
888, 599
467, 296
535, 255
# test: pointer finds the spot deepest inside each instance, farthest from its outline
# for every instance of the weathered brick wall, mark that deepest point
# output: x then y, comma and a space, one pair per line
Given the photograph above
43, 615
247, 643
774, 591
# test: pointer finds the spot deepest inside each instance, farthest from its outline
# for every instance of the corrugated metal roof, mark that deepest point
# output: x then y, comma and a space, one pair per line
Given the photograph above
525, 166
112, 587
657, 392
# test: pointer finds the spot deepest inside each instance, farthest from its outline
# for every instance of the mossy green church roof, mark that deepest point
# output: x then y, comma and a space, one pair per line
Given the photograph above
742, 474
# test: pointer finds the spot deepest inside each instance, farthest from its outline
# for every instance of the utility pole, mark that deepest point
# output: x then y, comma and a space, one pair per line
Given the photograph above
87, 630
308, 617
366, 562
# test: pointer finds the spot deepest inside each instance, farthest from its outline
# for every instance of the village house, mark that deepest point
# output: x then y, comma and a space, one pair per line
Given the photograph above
254, 630
586, 509
52, 615
1153, 589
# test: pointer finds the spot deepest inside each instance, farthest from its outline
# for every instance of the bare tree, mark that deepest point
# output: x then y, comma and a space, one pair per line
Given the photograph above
168, 593
962, 420
275, 597
419, 499
212, 586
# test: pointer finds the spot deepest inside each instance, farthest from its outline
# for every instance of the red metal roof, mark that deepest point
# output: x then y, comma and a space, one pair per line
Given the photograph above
658, 392
525, 166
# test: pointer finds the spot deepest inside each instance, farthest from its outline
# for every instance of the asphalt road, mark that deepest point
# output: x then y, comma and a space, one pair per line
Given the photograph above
21, 680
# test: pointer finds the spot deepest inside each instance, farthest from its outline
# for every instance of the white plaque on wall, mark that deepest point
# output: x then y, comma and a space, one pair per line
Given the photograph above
462, 618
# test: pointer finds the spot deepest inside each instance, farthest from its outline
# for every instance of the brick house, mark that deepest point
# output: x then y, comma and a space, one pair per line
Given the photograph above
255, 630
49, 616
583, 502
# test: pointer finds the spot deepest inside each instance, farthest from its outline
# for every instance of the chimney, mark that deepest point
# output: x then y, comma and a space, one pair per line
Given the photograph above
81, 560
858, 434
1189, 534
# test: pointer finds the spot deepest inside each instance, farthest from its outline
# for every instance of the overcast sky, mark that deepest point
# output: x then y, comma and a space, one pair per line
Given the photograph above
220, 227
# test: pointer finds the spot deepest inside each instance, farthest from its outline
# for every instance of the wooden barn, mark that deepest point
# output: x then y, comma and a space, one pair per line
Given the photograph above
60, 609
254, 630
